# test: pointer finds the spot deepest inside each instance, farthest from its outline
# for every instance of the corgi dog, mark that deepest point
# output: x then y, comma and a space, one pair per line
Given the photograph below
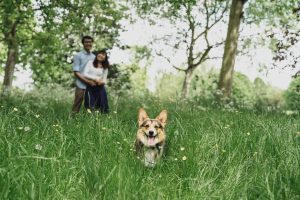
151, 136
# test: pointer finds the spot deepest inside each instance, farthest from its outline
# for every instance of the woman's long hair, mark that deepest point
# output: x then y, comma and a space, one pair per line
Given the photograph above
105, 63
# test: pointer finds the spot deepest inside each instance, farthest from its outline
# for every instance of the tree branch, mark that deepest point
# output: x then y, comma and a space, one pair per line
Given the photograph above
203, 57
212, 58
190, 47
208, 15
169, 61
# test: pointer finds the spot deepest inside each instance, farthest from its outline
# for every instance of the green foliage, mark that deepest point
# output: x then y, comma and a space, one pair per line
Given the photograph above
169, 86
119, 79
242, 91
2, 57
280, 12
139, 81
229, 155
292, 95
49, 63
282, 41
267, 97
245, 94
141, 53
204, 84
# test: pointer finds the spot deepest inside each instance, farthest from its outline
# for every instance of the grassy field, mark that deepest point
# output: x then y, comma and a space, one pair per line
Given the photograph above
212, 153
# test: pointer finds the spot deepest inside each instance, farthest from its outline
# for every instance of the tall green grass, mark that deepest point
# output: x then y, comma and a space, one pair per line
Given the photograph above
212, 153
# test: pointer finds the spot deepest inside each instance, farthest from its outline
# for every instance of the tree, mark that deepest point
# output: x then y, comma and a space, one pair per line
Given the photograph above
282, 18
192, 34
275, 14
14, 15
230, 49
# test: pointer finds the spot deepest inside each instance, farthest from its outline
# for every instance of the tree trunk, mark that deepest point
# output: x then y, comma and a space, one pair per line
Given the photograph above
12, 57
226, 75
187, 82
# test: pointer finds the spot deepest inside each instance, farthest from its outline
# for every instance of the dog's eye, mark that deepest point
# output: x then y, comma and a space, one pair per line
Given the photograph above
156, 127
146, 126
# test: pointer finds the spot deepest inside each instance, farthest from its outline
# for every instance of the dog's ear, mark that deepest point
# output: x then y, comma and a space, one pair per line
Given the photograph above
142, 116
162, 117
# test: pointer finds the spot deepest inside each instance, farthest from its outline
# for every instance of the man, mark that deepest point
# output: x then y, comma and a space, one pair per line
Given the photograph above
79, 61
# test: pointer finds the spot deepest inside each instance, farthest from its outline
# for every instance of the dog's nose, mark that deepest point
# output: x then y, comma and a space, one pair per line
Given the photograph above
151, 133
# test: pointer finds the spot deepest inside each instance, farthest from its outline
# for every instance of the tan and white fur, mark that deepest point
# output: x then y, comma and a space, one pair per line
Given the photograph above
151, 136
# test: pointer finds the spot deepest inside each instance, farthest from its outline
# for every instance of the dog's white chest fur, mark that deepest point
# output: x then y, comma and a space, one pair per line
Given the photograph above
150, 157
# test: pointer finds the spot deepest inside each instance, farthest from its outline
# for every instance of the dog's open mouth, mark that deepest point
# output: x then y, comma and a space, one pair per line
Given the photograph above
151, 139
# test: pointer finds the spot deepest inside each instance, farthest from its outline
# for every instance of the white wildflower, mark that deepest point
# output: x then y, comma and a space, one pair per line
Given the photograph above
38, 147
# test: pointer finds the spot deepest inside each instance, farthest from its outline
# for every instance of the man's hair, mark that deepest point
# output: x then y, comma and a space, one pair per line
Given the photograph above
86, 37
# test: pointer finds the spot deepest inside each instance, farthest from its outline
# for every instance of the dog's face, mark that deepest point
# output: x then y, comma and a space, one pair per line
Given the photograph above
151, 131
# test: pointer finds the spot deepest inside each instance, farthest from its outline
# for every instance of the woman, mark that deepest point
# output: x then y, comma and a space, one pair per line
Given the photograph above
95, 97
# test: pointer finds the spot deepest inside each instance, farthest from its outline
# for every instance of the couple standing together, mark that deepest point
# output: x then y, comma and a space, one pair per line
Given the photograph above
90, 71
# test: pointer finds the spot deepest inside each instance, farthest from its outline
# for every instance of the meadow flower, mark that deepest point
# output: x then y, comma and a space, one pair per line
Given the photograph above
223, 150
38, 147
175, 159
184, 158
15, 109
248, 133
289, 112
89, 111
227, 126
20, 128
37, 116
181, 148
118, 143
201, 108
26, 129
103, 128
115, 112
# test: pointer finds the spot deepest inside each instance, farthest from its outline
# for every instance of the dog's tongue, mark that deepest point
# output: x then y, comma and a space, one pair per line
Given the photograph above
151, 141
